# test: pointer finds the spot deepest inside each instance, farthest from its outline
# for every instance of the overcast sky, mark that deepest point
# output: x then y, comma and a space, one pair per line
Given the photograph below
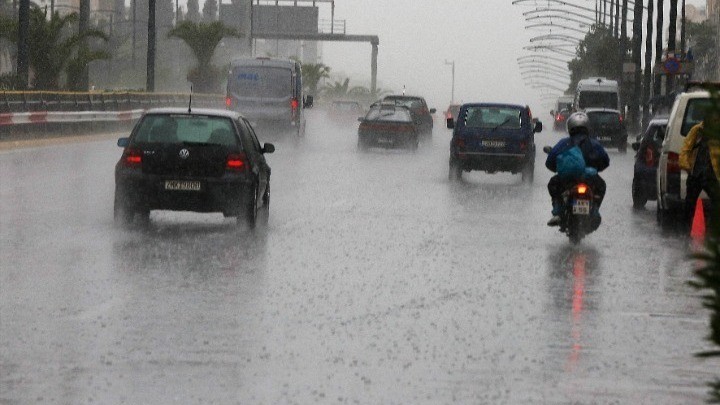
483, 37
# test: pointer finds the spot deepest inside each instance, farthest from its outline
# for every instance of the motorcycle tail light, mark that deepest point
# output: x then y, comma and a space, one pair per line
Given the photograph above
582, 188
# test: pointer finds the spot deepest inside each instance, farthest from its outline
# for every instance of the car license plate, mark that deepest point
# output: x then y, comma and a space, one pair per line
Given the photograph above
493, 144
606, 138
384, 140
581, 207
182, 185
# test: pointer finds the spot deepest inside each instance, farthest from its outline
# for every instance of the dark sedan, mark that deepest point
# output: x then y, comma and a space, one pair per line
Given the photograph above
388, 126
202, 161
644, 186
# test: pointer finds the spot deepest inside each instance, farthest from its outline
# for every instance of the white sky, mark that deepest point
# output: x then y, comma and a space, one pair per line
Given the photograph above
484, 37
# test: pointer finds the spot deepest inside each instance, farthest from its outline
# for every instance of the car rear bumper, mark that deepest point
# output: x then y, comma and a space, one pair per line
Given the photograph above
387, 140
645, 182
492, 162
225, 194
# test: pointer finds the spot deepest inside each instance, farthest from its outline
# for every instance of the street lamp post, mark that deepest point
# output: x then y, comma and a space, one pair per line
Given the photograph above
452, 63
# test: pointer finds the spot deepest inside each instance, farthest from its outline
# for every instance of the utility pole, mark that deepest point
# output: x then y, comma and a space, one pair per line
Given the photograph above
636, 60
452, 63
647, 78
672, 41
134, 26
150, 78
23, 55
83, 23
657, 84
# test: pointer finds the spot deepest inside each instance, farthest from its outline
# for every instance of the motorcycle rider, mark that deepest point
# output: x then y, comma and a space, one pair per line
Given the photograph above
595, 157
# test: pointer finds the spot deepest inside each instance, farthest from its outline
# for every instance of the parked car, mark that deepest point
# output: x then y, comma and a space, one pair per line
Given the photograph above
422, 115
687, 111
343, 112
607, 127
493, 138
560, 120
201, 160
452, 111
646, 161
388, 126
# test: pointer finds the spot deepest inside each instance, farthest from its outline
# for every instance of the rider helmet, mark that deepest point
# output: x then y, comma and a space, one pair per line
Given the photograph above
578, 123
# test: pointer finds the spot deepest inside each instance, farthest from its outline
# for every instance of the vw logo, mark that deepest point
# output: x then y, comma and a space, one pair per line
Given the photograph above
184, 153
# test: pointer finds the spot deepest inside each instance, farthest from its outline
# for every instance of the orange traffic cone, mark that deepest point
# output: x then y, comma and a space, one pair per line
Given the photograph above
697, 231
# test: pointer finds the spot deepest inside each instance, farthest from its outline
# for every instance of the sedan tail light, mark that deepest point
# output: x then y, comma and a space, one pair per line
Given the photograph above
132, 158
673, 163
228, 102
649, 157
236, 162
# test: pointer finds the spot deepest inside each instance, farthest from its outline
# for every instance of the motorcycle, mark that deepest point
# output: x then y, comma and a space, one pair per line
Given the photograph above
577, 219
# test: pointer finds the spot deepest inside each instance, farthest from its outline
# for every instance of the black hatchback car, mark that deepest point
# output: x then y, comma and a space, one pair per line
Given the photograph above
493, 138
388, 126
202, 161
644, 184
607, 127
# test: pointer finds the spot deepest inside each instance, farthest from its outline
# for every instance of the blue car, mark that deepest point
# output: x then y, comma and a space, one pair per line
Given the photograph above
493, 138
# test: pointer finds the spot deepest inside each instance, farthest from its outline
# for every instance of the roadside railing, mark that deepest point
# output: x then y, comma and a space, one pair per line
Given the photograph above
26, 114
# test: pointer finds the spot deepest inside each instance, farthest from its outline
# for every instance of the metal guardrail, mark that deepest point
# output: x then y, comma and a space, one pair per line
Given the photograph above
33, 101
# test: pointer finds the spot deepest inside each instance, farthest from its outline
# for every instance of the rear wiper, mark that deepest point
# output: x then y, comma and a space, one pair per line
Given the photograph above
508, 119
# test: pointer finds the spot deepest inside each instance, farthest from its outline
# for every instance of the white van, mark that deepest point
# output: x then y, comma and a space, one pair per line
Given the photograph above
597, 92
687, 111
268, 91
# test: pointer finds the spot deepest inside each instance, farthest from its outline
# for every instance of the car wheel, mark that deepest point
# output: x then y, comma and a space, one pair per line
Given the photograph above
665, 219
528, 173
639, 199
251, 212
362, 145
266, 204
455, 173
123, 214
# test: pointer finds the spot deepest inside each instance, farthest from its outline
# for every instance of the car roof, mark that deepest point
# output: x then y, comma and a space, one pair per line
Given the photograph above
401, 97
214, 112
501, 105
659, 121
609, 110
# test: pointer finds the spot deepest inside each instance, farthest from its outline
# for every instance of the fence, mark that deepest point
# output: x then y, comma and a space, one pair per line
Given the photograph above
40, 112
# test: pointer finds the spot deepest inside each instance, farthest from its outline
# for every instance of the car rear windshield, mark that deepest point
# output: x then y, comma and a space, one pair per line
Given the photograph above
161, 128
259, 82
694, 113
598, 99
493, 117
389, 114
604, 118
410, 102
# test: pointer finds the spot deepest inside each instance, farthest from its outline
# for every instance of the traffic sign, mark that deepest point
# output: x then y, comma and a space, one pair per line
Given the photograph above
671, 66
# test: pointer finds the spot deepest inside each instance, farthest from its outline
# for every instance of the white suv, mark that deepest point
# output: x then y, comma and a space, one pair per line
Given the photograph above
688, 110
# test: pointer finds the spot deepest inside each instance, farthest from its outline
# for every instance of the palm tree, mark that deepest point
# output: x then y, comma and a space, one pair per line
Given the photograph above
312, 74
337, 90
52, 48
203, 38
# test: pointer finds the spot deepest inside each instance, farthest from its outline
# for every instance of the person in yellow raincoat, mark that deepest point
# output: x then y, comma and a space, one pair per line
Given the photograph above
700, 157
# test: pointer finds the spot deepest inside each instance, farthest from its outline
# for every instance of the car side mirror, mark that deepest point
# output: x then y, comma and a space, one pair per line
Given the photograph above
635, 146
268, 148
308, 102
450, 123
538, 127
547, 149
123, 142
433, 110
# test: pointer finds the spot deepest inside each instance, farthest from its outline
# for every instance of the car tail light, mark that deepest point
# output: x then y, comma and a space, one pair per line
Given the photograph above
236, 162
228, 102
294, 104
673, 163
620, 117
582, 189
459, 143
649, 157
132, 157
448, 115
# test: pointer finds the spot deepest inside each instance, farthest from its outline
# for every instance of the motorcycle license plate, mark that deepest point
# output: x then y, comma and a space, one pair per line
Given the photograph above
581, 207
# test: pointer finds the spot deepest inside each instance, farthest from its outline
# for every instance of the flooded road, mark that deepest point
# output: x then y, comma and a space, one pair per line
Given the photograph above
376, 281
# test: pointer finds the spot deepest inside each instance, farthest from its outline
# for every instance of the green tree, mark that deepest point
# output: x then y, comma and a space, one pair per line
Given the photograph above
54, 44
203, 38
312, 74
597, 55
702, 39
707, 276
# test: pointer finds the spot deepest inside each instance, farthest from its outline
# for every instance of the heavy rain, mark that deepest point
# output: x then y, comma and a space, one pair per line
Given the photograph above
371, 274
